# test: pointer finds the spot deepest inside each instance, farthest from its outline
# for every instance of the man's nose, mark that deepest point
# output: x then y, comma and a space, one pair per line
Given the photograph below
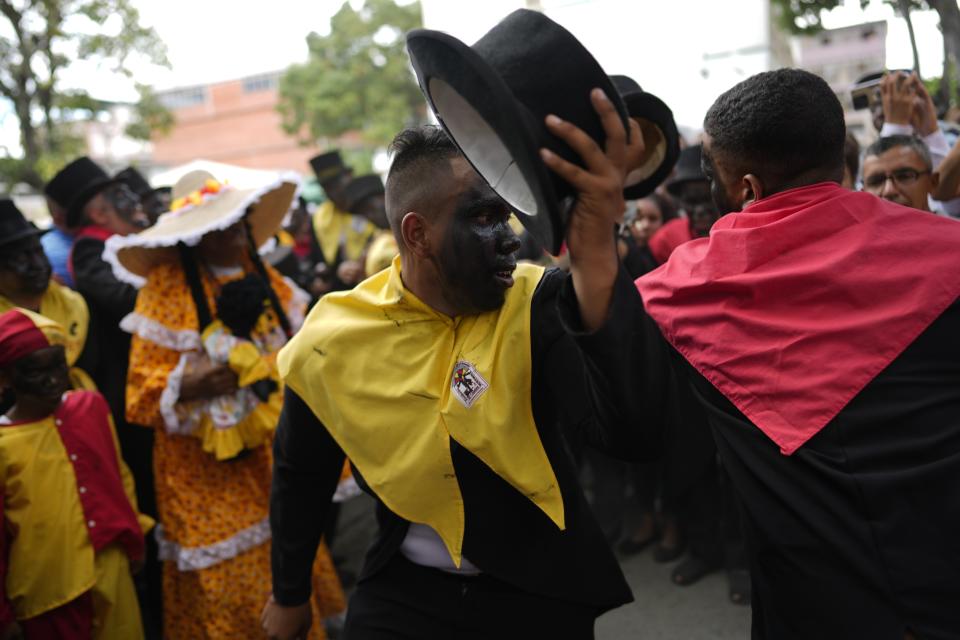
509, 242
889, 188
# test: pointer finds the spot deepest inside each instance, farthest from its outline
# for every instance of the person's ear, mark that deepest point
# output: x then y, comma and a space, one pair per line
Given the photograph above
751, 190
415, 231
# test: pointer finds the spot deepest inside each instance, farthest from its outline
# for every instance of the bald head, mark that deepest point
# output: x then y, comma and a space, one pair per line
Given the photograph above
421, 161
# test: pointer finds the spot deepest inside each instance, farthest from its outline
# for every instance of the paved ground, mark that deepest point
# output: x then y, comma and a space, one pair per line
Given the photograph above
663, 611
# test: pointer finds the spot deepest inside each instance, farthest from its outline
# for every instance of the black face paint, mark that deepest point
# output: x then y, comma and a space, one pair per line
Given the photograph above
42, 375
479, 251
127, 205
721, 199
27, 261
697, 198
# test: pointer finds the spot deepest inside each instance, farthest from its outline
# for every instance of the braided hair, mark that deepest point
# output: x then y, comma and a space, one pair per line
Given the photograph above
262, 271
240, 302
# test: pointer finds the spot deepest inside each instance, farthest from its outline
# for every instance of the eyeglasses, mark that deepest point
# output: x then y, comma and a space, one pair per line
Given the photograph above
900, 177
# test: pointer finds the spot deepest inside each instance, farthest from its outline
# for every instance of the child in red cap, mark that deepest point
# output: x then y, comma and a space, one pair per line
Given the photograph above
68, 503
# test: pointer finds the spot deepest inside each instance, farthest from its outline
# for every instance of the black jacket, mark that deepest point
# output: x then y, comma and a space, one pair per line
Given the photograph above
857, 534
106, 357
506, 536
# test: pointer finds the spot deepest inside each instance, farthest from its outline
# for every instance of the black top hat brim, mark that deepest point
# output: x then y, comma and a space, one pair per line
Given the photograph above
75, 210
443, 63
21, 234
662, 140
688, 170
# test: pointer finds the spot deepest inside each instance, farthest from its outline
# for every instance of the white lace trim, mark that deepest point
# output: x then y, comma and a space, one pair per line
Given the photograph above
169, 398
298, 305
177, 340
196, 558
115, 243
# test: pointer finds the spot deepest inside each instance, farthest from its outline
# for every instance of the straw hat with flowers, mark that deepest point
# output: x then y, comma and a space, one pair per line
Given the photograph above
201, 204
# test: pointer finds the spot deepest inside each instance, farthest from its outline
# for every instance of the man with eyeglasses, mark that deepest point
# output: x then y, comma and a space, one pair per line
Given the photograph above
899, 169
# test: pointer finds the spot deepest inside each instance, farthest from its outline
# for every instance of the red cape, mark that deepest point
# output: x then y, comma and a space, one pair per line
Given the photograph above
668, 237
793, 305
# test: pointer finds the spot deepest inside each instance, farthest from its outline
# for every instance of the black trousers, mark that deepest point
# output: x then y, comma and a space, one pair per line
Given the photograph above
411, 602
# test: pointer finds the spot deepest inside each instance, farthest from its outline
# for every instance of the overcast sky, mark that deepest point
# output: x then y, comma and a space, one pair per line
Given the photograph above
211, 40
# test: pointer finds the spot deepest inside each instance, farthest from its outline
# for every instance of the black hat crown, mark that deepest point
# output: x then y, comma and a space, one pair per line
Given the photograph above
688, 169
361, 188
135, 180
13, 225
327, 165
74, 186
492, 99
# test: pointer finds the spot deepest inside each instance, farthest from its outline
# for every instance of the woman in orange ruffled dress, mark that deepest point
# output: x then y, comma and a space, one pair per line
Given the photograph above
209, 320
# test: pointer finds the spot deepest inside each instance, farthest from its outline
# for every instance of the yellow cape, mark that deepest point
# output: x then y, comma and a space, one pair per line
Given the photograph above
394, 381
381, 253
334, 227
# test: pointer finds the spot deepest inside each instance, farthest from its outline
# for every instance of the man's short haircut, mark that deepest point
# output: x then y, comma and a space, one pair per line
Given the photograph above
883, 145
851, 155
420, 156
779, 125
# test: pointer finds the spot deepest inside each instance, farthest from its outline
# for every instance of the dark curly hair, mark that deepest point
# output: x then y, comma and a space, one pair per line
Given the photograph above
779, 125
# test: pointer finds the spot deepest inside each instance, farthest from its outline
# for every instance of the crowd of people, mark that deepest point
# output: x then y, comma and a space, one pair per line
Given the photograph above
194, 376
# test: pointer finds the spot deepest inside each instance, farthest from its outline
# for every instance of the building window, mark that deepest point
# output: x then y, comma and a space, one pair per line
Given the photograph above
183, 98
254, 84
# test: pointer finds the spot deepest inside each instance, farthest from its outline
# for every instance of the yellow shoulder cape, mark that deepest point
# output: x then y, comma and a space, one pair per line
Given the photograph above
333, 226
394, 381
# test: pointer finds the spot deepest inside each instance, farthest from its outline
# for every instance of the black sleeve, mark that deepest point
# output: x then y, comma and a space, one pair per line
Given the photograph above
306, 469
96, 282
629, 381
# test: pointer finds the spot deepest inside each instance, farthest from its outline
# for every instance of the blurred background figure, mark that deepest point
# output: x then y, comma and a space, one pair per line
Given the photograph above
899, 169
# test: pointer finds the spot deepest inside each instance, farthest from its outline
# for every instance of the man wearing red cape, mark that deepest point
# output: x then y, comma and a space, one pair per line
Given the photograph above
819, 328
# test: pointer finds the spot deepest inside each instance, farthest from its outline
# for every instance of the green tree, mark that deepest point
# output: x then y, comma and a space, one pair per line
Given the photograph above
356, 79
803, 16
42, 38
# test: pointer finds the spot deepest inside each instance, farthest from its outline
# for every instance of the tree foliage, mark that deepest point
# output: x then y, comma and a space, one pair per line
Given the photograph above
356, 79
801, 17
39, 39
804, 17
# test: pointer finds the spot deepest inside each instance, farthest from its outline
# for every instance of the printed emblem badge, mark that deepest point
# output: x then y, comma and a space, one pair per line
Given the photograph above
467, 383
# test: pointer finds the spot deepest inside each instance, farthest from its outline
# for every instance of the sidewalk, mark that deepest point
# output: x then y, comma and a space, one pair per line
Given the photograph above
663, 611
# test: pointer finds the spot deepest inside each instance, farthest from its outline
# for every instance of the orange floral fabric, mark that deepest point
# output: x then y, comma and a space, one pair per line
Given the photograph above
225, 600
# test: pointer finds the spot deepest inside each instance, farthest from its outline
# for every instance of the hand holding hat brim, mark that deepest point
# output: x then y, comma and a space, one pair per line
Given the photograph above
599, 203
599, 184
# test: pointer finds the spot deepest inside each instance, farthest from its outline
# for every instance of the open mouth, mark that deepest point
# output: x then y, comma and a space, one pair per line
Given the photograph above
505, 276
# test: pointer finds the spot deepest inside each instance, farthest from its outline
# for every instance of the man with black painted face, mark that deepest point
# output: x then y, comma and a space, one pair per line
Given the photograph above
817, 327
452, 385
26, 282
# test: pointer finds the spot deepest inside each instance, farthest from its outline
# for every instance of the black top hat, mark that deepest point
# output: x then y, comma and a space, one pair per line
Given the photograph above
660, 137
327, 166
492, 99
688, 169
135, 180
13, 225
361, 188
74, 186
